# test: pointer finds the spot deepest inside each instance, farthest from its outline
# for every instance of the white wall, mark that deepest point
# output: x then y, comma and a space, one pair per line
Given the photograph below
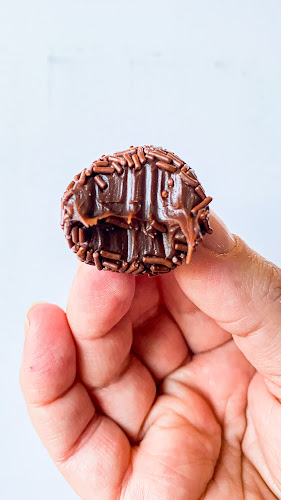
81, 78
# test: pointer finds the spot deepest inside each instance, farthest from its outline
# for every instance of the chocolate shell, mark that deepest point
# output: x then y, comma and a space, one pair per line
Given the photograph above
139, 211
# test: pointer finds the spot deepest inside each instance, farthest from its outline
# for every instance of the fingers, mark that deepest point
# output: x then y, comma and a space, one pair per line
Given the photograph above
97, 314
180, 447
210, 375
146, 301
90, 450
263, 432
241, 291
48, 349
103, 297
157, 339
128, 399
201, 332
160, 345
96, 304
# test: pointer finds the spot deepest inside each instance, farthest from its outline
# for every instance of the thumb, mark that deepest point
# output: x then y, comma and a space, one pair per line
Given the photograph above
241, 291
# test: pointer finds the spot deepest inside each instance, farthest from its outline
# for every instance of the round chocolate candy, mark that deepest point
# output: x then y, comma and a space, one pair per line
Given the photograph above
139, 211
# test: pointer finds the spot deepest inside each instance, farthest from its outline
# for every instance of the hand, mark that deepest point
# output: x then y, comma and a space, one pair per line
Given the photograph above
164, 388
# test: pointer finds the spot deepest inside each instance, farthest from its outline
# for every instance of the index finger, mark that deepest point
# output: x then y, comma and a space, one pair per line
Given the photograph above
97, 302
121, 386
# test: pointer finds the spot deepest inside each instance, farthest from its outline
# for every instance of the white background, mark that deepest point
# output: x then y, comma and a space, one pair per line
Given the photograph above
83, 78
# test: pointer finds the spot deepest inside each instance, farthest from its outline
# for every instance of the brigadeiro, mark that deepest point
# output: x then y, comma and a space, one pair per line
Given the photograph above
139, 211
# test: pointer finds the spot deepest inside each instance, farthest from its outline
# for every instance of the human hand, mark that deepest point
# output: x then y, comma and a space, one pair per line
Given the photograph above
164, 388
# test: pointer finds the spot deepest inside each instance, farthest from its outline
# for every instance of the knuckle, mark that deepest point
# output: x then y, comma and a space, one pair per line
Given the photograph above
272, 290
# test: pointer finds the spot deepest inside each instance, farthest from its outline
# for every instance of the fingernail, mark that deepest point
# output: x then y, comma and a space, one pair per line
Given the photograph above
221, 241
27, 320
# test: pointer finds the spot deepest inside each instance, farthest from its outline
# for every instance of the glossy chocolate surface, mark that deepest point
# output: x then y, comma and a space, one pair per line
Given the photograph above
138, 211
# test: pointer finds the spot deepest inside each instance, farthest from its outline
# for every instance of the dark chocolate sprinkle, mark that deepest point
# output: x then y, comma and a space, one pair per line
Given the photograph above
123, 267
141, 155
110, 255
166, 166
203, 204
89, 256
159, 269
81, 252
111, 265
117, 159
161, 156
103, 170
136, 162
157, 260
82, 178
82, 235
181, 247
96, 259
67, 196
100, 182
75, 234
199, 190
129, 160
132, 267
188, 179
117, 167
100, 163
70, 242
70, 186
150, 156
139, 270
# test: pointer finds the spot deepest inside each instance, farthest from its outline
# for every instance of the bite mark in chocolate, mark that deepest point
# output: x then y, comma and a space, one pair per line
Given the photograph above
138, 211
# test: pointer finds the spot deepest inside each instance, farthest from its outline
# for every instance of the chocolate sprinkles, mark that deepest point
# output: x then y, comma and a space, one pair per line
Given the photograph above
141, 155
75, 234
188, 179
82, 235
103, 170
66, 196
100, 163
100, 182
199, 190
123, 267
203, 204
117, 167
96, 258
110, 255
166, 166
181, 247
125, 213
129, 160
111, 265
162, 157
157, 260
159, 269
132, 267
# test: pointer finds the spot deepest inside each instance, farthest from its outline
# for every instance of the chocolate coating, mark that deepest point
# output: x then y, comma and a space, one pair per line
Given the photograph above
139, 211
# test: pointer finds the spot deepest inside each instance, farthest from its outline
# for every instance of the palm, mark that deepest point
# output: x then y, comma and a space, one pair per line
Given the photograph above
151, 400
189, 444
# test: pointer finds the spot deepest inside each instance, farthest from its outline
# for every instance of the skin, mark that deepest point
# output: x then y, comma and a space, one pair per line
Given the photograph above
163, 388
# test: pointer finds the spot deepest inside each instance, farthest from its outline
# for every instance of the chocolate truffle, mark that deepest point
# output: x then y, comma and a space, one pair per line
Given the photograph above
139, 211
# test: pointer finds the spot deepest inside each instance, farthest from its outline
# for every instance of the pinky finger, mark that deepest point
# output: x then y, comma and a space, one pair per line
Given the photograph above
84, 445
